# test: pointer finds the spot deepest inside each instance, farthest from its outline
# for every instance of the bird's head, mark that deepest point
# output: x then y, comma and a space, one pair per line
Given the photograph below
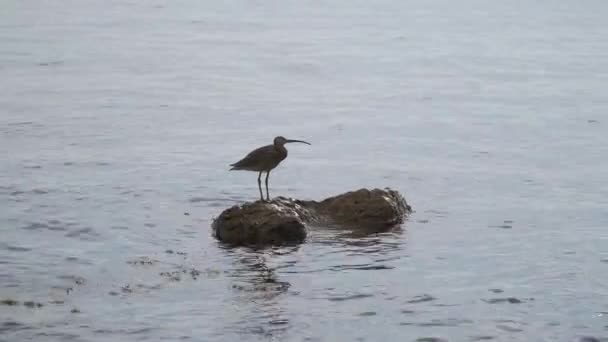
280, 141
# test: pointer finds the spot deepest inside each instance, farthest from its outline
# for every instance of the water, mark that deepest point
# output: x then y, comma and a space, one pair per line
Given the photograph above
118, 120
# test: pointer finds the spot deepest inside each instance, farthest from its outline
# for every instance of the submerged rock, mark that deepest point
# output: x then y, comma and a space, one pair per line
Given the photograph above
282, 220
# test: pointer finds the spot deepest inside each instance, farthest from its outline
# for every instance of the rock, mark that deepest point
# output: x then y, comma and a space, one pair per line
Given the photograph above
261, 223
366, 208
283, 220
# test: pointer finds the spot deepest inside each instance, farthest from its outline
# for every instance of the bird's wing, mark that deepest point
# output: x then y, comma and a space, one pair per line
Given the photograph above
255, 157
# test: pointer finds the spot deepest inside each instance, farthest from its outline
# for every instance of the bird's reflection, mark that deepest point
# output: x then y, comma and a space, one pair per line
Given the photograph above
259, 289
253, 276
259, 277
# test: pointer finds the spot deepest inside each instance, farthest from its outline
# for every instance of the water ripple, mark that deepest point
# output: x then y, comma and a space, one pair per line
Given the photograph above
421, 299
430, 339
13, 248
350, 297
510, 300
449, 322
362, 267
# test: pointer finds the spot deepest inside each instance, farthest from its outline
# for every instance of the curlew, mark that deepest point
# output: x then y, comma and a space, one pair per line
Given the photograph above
265, 159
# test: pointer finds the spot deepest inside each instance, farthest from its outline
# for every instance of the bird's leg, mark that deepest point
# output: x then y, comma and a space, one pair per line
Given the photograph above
260, 185
267, 195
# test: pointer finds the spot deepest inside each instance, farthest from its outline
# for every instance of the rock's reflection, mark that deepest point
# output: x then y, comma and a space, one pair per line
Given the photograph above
360, 241
258, 290
339, 250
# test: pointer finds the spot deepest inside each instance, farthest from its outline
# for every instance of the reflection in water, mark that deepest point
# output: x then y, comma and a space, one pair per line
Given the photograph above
377, 248
258, 277
363, 232
336, 235
258, 290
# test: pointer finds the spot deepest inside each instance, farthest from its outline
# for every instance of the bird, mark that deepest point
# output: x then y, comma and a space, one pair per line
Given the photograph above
265, 159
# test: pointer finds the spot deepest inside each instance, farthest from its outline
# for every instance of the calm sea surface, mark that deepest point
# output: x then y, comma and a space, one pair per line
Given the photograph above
118, 120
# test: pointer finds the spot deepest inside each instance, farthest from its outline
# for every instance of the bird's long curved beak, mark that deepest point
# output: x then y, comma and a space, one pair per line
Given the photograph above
298, 141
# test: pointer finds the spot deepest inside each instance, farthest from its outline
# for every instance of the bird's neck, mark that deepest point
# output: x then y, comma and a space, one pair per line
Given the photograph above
280, 148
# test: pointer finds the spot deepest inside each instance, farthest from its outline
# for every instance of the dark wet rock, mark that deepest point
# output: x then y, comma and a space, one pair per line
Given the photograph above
75, 311
369, 208
259, 223
282, 220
